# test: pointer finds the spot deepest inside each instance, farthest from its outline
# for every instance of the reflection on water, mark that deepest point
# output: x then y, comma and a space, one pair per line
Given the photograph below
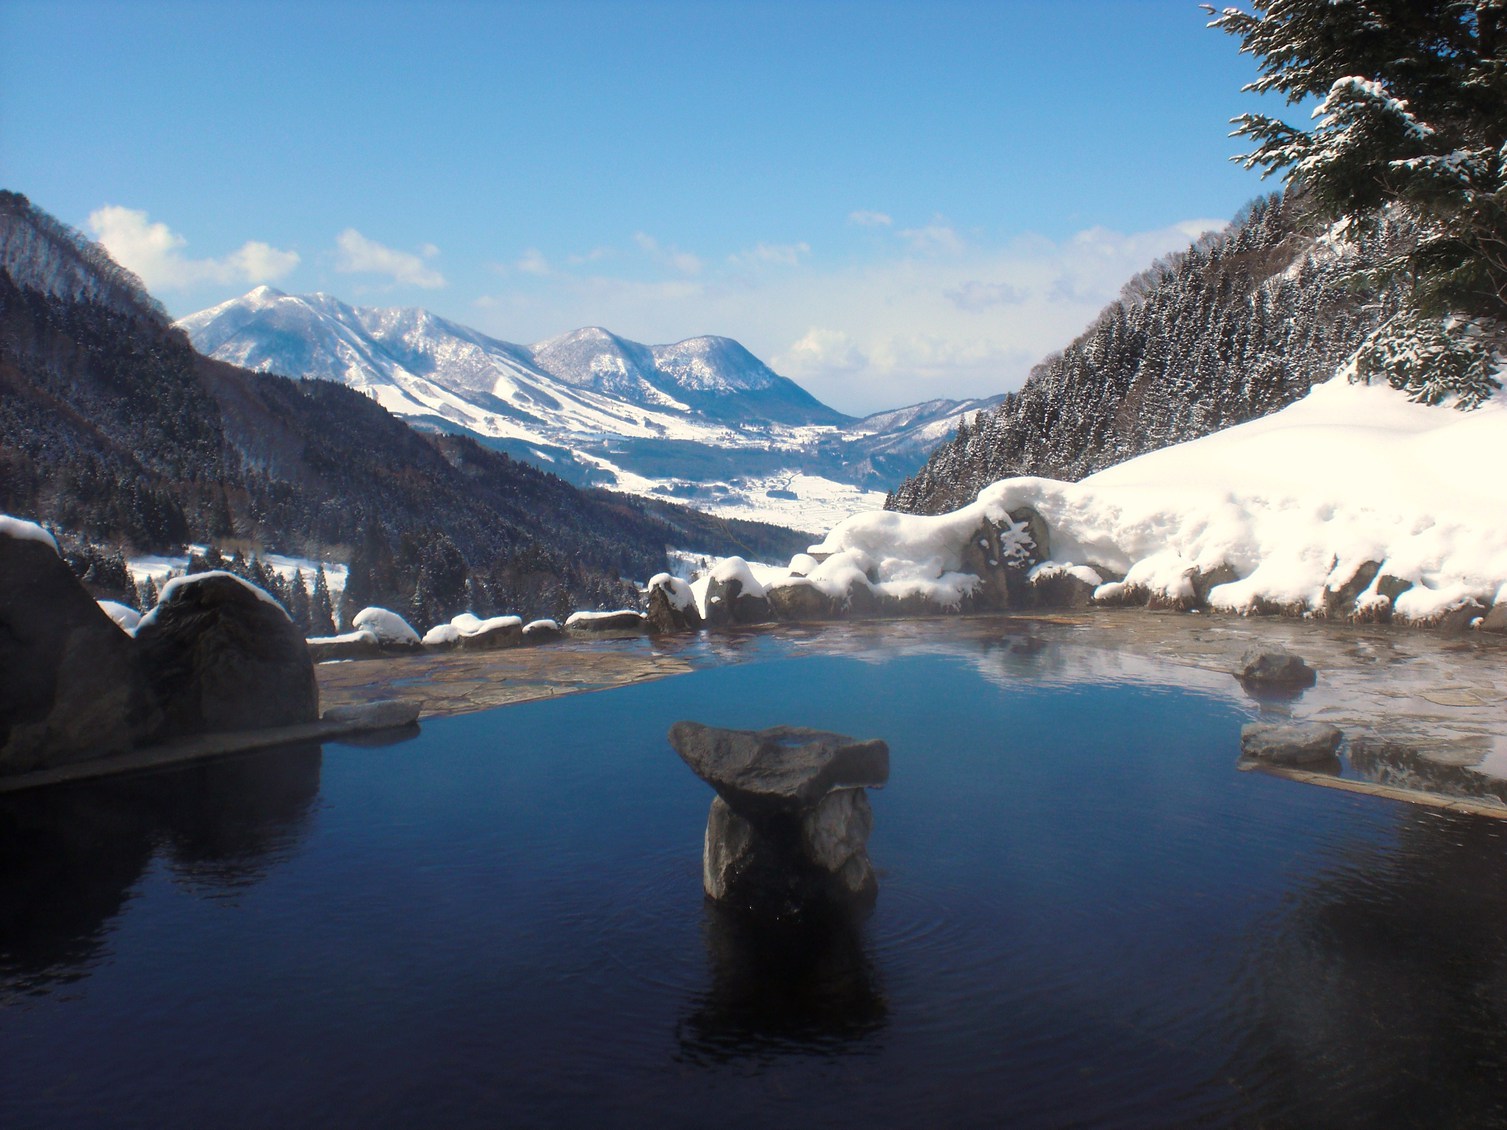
69, 856
806, 984
1087, 917
1380, 997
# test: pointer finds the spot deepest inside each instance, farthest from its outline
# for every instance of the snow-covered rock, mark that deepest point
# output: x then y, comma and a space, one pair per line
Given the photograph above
733, 595
671, 605
623, 621
542, 631
471, 633
390, 629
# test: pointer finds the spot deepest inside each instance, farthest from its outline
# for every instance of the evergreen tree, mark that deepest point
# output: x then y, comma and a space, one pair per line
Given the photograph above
322, 610
298, 603
1411, 123
146, 595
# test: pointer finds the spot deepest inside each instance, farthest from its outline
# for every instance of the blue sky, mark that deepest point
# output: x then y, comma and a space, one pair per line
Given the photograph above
887, 201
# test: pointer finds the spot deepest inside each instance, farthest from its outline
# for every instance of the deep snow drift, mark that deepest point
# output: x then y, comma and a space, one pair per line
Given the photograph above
1294, 503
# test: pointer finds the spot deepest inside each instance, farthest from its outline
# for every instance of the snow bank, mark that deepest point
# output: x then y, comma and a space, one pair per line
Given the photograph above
388, 627
1292, 504
22, 530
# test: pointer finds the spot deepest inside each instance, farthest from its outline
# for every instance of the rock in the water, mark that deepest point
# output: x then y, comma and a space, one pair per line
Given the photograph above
71, 687
1290, 743
1275, 667
789, 828
672, 607
382, 714
220, 654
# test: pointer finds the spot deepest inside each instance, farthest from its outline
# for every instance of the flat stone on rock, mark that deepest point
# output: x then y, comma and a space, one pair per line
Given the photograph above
1290, 743
786, 768
788, 829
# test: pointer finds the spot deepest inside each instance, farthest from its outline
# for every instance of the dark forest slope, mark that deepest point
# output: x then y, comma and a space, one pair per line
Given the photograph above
1241, 324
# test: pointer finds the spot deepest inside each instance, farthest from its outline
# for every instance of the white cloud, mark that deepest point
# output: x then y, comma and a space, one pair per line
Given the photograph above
937, 237
864, 335
818, 352
773, 254
361, 256
867, 219
681, 261
155, 253
977, 296
533, 262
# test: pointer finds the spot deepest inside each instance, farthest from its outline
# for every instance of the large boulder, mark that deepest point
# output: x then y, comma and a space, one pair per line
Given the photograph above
220, 654
734, 595
71, 688
788, 830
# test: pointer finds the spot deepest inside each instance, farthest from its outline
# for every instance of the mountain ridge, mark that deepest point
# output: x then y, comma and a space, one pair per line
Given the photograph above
702, 419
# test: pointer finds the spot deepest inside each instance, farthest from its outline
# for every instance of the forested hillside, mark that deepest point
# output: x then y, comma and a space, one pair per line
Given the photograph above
1242, 323
112, 427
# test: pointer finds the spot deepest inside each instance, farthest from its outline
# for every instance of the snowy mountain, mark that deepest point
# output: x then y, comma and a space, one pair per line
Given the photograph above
703, 420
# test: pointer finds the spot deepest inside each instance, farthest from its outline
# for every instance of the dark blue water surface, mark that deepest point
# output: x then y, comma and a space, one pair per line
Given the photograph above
1087, 917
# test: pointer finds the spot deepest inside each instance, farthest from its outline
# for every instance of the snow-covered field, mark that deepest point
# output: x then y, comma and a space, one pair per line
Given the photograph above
1295, 503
